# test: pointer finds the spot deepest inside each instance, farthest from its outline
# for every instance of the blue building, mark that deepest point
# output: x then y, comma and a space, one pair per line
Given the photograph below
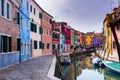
25, 30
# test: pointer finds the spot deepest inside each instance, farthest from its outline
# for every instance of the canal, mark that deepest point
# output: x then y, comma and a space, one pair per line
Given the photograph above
85, 70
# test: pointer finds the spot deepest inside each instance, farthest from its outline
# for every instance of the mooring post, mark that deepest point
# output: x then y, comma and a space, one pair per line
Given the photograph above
74, 56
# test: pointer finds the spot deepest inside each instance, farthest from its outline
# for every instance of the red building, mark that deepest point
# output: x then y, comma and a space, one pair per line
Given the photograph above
66, 31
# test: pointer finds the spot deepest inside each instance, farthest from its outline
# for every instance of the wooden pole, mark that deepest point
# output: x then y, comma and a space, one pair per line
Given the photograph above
74, 65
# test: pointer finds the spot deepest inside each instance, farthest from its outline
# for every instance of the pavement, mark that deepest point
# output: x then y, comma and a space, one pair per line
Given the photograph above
32, 69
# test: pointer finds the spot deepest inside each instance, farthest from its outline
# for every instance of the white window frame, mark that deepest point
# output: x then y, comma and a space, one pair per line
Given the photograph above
9, 10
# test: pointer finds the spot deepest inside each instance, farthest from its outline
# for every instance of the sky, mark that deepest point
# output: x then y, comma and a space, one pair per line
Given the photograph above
82, 15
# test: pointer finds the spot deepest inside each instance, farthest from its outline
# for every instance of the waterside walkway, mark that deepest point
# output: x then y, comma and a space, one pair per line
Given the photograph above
33, 69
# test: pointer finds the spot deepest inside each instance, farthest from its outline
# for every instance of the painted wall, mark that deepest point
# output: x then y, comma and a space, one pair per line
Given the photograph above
25, 30
8, 59
35, 36
55, 36
62, 43
47, 33
72, 40
9, 28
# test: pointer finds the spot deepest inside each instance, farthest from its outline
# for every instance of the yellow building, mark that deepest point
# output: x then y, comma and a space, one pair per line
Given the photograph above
108, 34
88, 39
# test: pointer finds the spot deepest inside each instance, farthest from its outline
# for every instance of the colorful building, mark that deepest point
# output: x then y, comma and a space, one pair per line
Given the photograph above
88, 39
9, 32
72, 40
36, 29
96, 41
56, 27
75, 41
79, 41
108, 35
24, 29
62, 43
110, 45
65, 29
47, 33
83, 40
117, 31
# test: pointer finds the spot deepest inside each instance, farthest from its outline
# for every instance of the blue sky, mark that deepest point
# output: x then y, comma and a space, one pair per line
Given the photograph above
82, 15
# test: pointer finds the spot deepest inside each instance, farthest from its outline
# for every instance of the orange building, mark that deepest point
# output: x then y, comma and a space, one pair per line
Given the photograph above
72, 40
47, 33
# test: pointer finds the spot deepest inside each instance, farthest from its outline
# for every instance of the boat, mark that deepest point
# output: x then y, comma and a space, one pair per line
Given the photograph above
65, 59
112, 66
110, 76
97, 62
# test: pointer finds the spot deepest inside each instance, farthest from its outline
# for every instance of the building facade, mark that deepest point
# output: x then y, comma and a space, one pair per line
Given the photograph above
47, 33
75, 41
96, 40
24, 29
88, 39
72, 40
65, 29
56, 27
9, 33
36, 29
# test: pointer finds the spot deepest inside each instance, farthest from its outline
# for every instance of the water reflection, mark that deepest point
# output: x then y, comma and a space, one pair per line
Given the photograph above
86, 71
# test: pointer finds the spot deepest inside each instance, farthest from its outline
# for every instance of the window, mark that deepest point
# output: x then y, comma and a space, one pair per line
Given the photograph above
34, 11
50, 21
17, 18
114, 45
58, 46
35, 44
53, 47
41, 45
3, 7
18, 44
22, 48
5, 44
48, 45
30, 8
40, 15
33, 27
8, 11
71, 47
28, 48
40, 30
27, 6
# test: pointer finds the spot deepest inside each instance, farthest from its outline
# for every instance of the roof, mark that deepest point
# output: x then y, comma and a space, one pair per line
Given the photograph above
42, 9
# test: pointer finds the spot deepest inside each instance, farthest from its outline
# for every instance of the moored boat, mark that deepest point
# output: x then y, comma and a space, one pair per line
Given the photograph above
112, 66
65, 59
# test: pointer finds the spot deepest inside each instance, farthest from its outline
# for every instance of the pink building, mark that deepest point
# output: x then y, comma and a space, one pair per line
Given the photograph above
47, 33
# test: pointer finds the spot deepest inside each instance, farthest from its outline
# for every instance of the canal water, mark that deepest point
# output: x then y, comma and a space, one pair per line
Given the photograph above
85, 70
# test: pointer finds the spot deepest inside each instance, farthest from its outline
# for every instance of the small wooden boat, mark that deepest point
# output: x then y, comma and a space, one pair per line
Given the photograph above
65, 59
112, 66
